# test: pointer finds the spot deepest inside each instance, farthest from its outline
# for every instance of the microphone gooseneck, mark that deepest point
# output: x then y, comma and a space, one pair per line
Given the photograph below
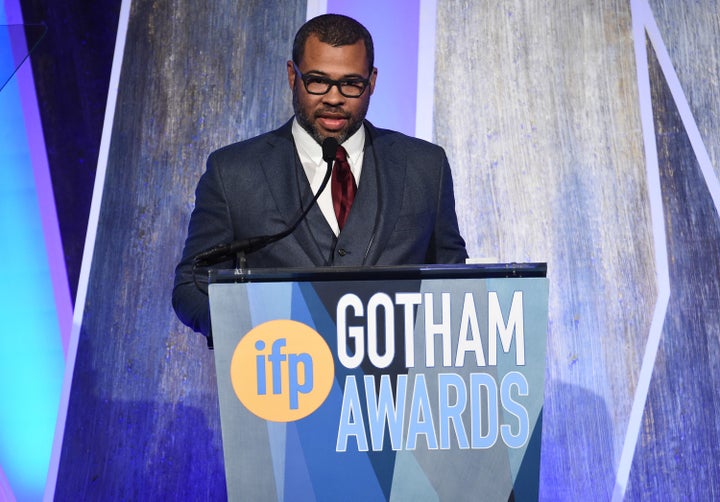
224, 251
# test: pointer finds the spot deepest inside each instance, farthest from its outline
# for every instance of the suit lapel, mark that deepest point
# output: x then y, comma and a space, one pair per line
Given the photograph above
280, 168
391, 168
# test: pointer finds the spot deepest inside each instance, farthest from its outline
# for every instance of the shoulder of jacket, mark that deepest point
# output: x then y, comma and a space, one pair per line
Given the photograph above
251, 147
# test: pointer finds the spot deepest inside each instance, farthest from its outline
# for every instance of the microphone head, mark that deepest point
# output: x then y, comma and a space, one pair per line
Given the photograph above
329, 148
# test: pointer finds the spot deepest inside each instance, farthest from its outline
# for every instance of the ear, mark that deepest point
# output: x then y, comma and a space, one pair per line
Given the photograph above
291, 74
373, 77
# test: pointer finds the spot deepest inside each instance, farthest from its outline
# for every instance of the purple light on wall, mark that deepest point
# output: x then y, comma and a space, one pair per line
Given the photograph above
394, 27
46, 200
35, 302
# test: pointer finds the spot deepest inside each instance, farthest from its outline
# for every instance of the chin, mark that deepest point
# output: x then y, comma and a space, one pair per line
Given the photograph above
340, 136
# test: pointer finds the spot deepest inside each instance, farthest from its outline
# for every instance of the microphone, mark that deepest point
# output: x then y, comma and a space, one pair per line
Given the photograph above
223, 251
329, 150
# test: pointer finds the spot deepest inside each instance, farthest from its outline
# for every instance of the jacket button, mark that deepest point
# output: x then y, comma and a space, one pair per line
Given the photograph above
342, 252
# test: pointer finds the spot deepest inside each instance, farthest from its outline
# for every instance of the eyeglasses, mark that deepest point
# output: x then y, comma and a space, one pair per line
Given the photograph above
318, 85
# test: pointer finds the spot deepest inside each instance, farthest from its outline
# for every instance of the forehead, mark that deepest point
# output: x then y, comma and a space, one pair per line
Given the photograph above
334, 61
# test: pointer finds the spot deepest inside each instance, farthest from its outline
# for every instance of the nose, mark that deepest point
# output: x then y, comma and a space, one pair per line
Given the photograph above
334, 96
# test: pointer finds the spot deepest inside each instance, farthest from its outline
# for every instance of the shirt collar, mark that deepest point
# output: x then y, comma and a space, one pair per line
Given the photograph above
307, 145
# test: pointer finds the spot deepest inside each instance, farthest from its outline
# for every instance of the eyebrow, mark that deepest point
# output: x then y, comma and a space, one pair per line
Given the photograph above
323, 74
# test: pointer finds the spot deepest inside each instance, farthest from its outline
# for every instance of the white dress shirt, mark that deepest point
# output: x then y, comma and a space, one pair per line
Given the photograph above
310, 153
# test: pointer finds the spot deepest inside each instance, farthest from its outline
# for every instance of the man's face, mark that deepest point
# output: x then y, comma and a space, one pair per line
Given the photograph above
331, 114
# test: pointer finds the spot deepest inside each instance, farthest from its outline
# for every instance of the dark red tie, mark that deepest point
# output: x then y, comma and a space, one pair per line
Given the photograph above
343, 187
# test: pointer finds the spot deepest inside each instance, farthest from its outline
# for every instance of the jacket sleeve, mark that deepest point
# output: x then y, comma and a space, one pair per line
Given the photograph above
447, 245
210, 225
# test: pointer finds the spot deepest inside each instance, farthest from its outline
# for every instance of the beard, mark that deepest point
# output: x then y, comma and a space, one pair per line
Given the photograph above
306, 121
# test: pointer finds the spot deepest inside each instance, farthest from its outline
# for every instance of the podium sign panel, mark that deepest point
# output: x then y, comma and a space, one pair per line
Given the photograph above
381, 386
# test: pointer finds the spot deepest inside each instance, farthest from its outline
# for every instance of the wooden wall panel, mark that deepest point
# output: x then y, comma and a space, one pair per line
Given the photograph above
691, 31
537, 106
143, 422
680, 429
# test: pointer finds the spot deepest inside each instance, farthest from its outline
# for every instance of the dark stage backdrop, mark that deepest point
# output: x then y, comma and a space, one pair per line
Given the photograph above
570, 126
71, 68
143, 420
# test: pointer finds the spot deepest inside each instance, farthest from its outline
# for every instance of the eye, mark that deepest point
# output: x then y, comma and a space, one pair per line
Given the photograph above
315, 80
358, 84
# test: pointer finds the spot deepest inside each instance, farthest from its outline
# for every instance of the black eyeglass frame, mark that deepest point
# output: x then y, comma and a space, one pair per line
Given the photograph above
330, 83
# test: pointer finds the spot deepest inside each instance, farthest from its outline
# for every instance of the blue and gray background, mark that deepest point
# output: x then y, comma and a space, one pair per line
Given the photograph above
581, 134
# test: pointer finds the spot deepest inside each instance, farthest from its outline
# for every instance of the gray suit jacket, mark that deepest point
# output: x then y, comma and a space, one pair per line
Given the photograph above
403, 214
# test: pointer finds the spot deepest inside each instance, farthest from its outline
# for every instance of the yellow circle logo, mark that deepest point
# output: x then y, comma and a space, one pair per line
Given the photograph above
282, 370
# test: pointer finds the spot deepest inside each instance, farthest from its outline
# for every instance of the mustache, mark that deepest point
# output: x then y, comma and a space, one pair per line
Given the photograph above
332, 112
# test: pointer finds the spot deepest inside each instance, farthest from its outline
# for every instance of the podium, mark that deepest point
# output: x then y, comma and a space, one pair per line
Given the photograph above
402, 383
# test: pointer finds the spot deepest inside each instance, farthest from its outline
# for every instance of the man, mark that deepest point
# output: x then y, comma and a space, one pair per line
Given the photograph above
395, 208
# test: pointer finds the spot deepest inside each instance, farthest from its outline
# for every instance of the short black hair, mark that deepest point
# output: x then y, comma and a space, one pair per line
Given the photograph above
336, 30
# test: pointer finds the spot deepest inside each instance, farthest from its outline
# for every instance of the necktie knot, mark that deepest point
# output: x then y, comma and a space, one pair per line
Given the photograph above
340, 154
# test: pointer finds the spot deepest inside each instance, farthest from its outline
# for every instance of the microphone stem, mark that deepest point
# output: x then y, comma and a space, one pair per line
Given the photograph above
254, 244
